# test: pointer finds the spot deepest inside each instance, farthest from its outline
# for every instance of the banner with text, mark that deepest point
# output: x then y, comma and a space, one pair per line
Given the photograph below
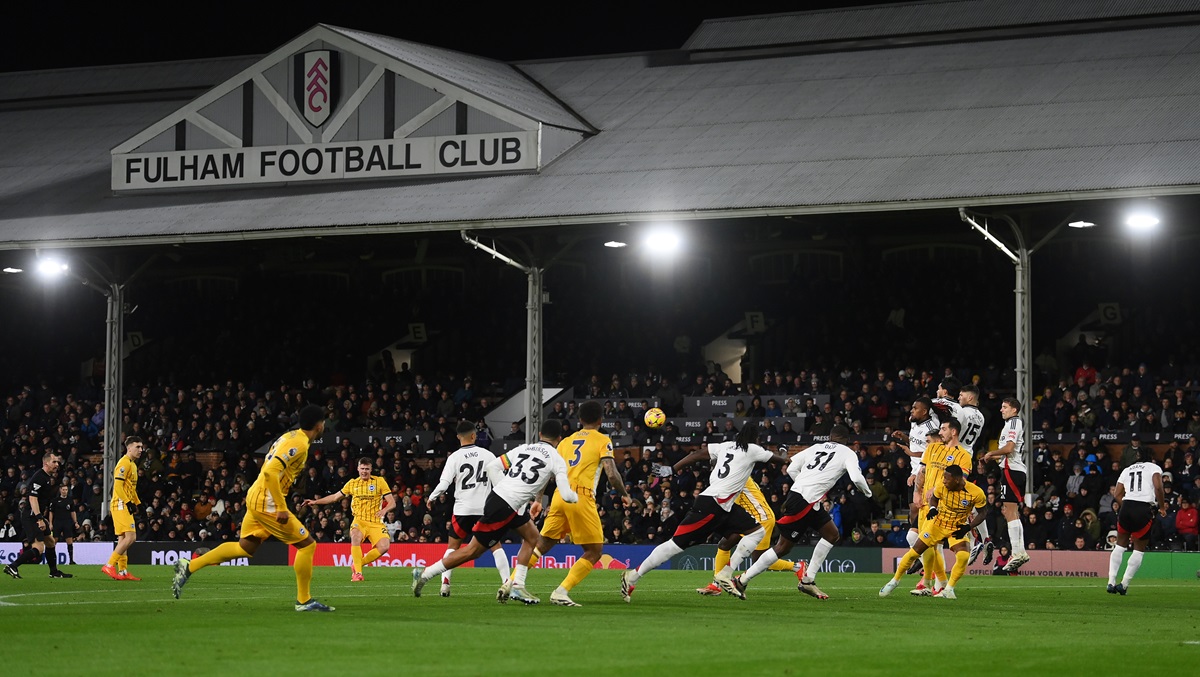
85, 553
168, 553
1064, 563
564, 556
839, 561
398, 555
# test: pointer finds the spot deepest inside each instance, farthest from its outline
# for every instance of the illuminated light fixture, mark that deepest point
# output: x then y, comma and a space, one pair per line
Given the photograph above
664, 240
1141, 221
614, 244
52, 267
13, 270
1081, 224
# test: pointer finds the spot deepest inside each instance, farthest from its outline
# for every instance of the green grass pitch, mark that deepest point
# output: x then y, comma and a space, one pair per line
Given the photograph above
239, 620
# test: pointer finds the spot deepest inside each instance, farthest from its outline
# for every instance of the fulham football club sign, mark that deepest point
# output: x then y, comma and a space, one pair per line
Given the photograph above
316, 76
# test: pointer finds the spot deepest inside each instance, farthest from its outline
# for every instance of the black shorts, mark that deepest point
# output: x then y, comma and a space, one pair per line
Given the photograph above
33, 532
1012, 486
64, 530
498, 517
1134, 518
462, 525
798, 516
707, 517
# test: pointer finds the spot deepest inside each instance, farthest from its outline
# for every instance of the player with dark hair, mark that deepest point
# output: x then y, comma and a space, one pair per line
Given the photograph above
267, 513
1011, 457
1139, 494
963, 404
35, 520
370, 500
938, 457
466, 471
125, 479
586, 452
814, 471
65, 520
518, 478
715, 509
948, 518
922, 422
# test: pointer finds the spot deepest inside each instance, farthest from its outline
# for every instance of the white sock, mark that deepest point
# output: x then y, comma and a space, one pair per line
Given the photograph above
1131, 567
446, 575
820, 552
1114, 564
764, 562
519, 575
1016, 537
911, 537
983, 531
745, 547
433, 570
501, 563
662, 553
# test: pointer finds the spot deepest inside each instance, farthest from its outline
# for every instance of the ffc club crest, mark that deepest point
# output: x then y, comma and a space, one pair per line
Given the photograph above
316, 76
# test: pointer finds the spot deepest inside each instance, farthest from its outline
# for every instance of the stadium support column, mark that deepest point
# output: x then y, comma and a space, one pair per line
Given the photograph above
113, 372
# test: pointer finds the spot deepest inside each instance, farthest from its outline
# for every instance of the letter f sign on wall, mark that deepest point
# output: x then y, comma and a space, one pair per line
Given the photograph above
316, 84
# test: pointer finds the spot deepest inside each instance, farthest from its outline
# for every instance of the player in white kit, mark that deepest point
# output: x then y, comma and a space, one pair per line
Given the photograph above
1011, 457
813, 472
715, 509
466, 471
518, 477
970, 418
922, 422
1140, 494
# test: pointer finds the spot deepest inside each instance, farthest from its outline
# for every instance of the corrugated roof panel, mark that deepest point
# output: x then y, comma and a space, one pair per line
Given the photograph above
112, 79
914, 18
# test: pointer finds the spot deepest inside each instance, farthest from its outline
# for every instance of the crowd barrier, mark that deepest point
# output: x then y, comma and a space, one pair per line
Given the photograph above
85, 553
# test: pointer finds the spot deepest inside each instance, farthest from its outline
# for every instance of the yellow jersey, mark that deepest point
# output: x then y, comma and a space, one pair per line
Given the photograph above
935, 459
752, 501
954, 507
366, 497
582, 451
285, 461
125, 478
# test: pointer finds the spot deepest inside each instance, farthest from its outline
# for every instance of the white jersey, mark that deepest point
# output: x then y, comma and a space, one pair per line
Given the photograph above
918, 438
520, 475
970, 420
731, 468
1138, 480
820, 466
1014, 431
466, 470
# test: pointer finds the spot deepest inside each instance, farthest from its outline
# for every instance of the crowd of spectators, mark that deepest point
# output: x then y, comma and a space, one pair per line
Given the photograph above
202, 443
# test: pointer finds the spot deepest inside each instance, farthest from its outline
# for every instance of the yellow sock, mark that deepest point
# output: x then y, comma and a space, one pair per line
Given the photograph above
113, 559
303, 565
579, 571
939, 564
356, 558
123, 563
782, 565
960, 566
221, 553
533, 560
372, 555
906, 562
722, 559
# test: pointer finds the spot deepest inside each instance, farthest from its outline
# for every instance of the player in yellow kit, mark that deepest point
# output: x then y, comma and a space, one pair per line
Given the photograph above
267, 514
949, 519
937, 457
752, 501
125, 479
370, 500
586, 452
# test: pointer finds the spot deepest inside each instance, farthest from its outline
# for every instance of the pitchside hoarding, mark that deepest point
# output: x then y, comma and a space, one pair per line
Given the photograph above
85, 553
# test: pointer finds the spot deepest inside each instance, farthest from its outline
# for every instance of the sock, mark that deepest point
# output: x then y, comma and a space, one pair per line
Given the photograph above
911, 538
960, 566
71, 553
356, 558
123, 563
519, 573
1131, 567
906, 562
52, 560
535, 558
27, 556
764, 562
746, 546
722, 559
446, 575
434, 569
1016, 537
983, 531
371, 555
939, 566
501, 563
1114, 564
579, 571
780, 564
927, 562
221, 553
303, 566
818, 560
112, 559
662, 553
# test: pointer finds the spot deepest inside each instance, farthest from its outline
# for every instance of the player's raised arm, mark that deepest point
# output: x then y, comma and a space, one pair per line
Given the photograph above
855, 474
324, 500
1158, 493
564, 482
449, 475
697, 455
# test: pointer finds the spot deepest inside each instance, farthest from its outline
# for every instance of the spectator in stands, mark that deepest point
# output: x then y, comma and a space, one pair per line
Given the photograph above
1186, 523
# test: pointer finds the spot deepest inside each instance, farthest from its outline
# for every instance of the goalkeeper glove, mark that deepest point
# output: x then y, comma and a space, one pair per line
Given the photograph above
932, 513
962, 531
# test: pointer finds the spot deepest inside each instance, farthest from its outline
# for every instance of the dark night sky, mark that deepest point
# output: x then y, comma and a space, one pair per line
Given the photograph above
109, 33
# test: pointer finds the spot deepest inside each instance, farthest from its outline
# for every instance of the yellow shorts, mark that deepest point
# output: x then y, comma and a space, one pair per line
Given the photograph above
580, 520
262, 526
373, 533
765, 543
122, 520
933, 533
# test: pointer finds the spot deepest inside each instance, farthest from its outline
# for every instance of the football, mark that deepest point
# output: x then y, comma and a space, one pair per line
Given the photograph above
655, 418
